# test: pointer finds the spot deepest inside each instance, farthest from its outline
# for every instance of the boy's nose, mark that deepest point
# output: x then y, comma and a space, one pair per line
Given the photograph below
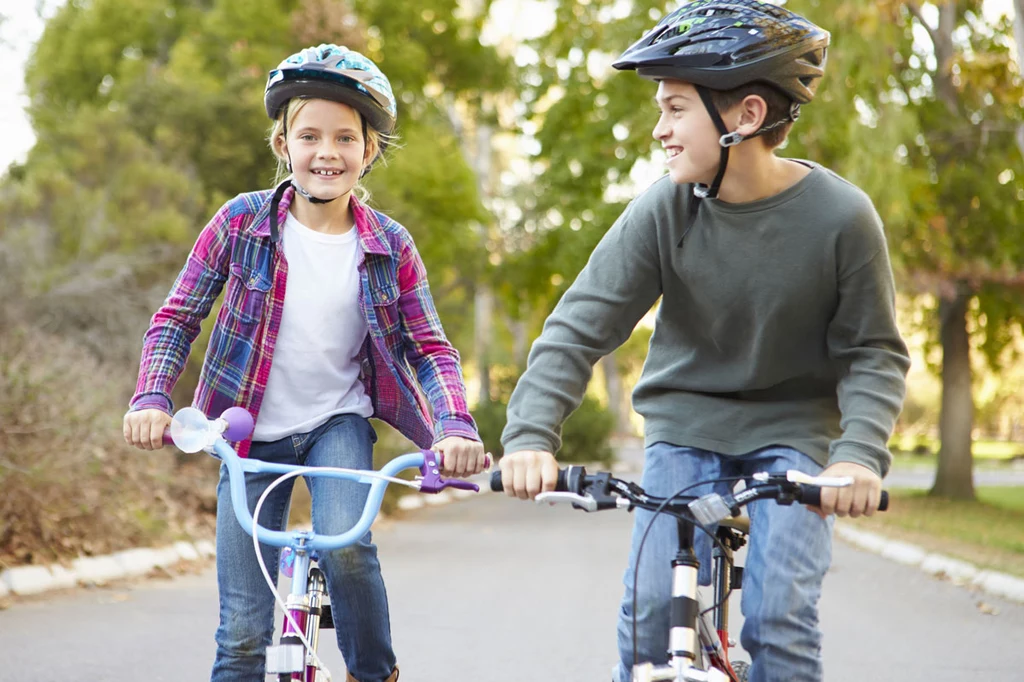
660, 131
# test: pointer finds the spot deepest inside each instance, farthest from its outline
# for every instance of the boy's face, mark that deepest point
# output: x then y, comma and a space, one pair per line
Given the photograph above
687, 133
327, 148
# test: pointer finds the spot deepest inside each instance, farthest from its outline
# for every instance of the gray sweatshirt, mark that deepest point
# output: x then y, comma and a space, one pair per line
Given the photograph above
776, 326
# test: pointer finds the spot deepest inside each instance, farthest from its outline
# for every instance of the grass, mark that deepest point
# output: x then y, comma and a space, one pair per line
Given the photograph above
988, 532
923, 448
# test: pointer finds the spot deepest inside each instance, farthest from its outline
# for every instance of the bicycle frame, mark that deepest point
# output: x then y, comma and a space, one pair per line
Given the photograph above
292, 659
684, 636
600, 491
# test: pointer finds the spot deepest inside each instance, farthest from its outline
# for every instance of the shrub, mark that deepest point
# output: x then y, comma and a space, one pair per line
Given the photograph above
585, 434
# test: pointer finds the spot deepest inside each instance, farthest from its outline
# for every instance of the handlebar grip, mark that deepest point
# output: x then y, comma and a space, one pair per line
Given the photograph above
167, 436
811, 496
561, 486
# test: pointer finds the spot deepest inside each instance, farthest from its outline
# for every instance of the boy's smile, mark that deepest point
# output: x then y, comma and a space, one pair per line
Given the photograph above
686, 132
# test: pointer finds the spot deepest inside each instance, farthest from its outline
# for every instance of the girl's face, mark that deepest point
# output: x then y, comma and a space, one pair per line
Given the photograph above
687, 133
327, 149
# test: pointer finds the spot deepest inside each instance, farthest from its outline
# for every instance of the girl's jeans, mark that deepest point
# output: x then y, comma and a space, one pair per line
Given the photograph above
354, 582
789, 552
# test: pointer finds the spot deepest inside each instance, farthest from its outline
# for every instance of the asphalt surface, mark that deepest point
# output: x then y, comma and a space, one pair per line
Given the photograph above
495, 590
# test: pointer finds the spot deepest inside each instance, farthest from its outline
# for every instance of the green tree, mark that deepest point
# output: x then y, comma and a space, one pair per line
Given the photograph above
148, 116
128, 97
919, 107
938, 113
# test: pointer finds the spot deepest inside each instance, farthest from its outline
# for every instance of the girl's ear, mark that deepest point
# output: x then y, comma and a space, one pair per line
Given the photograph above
281, 147
370, 150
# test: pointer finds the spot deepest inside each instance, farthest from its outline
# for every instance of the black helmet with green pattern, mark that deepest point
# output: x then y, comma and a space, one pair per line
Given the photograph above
725, 44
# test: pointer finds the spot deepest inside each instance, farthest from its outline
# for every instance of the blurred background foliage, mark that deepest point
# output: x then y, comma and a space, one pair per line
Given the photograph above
519, 146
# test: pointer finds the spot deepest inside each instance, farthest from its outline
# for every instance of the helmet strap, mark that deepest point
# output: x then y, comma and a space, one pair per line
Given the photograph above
275, 202
726, 140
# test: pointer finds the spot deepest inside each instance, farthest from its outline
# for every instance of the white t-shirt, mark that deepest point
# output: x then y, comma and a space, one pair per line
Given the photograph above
314, 374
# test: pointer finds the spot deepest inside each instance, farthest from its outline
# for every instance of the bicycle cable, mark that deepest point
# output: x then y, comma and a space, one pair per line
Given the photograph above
259, 555
643, 539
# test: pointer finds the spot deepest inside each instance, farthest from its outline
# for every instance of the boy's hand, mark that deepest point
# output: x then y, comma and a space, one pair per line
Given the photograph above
861, 498
145, 428
527, 473
460, 457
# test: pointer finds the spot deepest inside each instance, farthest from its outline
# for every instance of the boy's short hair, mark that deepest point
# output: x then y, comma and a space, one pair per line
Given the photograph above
778, 108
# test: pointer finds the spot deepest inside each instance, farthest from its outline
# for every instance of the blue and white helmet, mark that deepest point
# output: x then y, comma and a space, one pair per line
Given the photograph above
333, 73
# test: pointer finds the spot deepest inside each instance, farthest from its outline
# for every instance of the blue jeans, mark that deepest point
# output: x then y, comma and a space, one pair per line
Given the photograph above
790, 550
354, 582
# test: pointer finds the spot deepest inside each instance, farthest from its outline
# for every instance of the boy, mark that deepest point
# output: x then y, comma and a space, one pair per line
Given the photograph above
775, 345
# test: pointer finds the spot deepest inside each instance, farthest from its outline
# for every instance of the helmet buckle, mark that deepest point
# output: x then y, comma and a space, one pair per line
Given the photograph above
730, 139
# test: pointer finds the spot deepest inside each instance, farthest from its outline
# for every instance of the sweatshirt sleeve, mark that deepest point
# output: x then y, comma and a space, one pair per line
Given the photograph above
598, 312
864, 340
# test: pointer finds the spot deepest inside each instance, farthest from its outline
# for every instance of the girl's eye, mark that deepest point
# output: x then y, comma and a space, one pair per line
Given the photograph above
347, 139
307, 138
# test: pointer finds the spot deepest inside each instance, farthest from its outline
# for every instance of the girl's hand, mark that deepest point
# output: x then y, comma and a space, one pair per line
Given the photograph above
145, 428
461, 457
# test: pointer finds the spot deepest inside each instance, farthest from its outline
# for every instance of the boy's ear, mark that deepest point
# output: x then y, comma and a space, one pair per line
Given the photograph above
751, 114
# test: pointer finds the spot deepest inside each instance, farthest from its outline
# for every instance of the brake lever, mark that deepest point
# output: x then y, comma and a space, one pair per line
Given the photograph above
432, 482
584, 502
794, 476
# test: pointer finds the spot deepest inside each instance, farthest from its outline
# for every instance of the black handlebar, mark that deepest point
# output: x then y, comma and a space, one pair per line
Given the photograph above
568, 480
574, 478
811, 496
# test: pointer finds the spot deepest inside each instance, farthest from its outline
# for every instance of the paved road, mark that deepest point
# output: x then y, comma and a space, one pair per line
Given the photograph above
499, 591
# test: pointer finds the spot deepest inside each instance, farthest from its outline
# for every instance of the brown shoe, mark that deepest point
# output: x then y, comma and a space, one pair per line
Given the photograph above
393, 677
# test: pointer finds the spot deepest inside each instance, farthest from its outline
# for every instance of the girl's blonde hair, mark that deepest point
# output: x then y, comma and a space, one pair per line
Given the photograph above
374, 139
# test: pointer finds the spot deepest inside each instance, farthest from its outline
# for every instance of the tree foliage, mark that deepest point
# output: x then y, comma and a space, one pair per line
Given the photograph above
148, 116
919, 107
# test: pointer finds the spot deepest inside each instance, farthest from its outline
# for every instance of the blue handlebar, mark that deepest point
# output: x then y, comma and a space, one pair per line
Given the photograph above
237, 467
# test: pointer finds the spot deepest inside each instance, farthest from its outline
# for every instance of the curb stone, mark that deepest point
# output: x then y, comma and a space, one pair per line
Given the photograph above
956, 571
99, 570
29, 580
133, 563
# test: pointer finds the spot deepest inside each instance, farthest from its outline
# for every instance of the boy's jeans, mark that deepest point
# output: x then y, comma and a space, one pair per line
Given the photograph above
790, 550
354, 582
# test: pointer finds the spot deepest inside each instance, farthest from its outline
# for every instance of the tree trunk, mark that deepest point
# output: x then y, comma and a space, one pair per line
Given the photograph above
1018, 35
483, 309
955, 478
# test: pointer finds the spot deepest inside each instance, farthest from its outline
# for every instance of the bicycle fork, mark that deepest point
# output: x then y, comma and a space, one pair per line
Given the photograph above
305, 605
683, 639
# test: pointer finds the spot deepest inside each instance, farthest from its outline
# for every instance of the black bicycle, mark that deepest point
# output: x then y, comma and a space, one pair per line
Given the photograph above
698, 633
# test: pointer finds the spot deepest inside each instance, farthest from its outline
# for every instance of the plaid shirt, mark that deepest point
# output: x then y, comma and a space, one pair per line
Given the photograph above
405, 349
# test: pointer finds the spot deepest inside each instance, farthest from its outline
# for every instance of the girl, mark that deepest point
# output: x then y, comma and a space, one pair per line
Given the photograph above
327, 320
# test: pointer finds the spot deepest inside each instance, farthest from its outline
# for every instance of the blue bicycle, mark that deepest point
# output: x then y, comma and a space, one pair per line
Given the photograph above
295, 659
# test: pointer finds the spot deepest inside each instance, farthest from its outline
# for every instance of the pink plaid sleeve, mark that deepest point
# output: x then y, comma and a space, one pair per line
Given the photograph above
167, 342
432, 357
